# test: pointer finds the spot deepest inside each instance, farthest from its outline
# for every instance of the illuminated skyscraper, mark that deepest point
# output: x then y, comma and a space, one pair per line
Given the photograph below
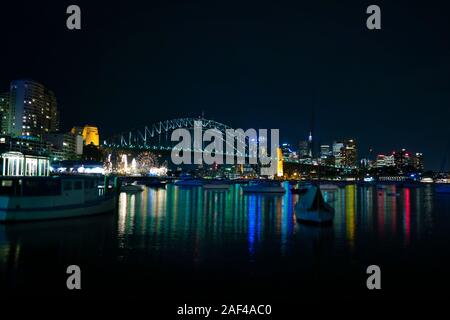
310, 142
349, 153
32, 109
4, 113
403, 159
303, 150
418, 161
337, 152
324, 150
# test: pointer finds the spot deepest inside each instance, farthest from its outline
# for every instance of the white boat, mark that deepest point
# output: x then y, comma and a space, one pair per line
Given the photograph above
264, 187
132, 187
41, 198
312, 208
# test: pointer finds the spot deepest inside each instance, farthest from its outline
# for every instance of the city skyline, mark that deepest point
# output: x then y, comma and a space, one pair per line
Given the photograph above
36, 105
263, 68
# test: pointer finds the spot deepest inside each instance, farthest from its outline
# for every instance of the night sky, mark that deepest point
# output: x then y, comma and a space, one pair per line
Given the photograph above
258, 64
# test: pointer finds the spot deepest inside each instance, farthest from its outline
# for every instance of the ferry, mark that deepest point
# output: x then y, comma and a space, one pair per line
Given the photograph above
42, 198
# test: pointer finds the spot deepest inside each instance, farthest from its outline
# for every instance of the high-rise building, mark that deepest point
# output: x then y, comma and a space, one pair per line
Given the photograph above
303, 150
403, 159
311, 145
337, 153
385, 161
418, 161
64, 146
4, 113
89, 133
32, 109
286, 150
324, 150
349, 153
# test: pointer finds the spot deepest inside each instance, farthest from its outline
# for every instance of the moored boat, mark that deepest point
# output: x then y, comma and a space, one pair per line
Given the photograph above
41, 198
264, 187
216, 185
312, 208
189, 182
155, 184
132, 187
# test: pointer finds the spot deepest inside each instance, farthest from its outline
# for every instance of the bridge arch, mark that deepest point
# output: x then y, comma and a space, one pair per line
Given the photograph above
157, 135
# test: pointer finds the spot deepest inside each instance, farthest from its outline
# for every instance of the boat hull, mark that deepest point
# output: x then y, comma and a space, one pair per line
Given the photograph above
216, 186
188, 183
257, 189
105, 204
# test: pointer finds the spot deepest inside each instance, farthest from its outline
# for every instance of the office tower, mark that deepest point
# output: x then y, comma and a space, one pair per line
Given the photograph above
286, 150
403, 159
324, 150
4, 113
33, 111
337, 152
349, 153
64, 146
303, 150
385, 161
418, 161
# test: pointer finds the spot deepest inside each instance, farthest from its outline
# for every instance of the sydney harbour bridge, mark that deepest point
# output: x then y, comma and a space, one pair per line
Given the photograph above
157, 138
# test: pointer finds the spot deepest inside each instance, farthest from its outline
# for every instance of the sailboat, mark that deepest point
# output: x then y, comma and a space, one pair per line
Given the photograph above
442, 185
312, 208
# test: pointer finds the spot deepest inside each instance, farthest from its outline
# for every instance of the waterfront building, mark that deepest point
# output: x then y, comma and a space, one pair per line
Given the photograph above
27, 145
77, 167
32, 109
17, 164
89, 133
4, 113
64, 146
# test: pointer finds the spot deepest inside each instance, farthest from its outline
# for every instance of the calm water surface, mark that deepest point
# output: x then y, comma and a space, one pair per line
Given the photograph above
177, 243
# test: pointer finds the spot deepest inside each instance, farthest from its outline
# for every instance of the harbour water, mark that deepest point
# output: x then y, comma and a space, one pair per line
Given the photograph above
190, 244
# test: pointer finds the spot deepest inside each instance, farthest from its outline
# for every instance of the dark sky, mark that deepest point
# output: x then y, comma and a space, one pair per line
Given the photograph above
259, 64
